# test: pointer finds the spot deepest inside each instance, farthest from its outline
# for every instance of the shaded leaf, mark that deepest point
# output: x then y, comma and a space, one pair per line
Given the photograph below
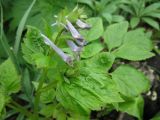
151, 22
133, 107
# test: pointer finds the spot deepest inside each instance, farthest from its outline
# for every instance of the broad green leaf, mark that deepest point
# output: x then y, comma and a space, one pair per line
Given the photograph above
133, 107
21, 27
134, 21
95, 90
130, 82
135, 46
117, 18
151, 22
113, 35
9, 78
101, 62
96, 30
91, 49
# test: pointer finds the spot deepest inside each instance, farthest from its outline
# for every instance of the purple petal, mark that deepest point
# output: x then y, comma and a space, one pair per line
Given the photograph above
64, 56
82, 24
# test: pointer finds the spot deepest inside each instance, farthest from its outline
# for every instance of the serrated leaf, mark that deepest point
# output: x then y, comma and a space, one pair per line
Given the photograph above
135, 46
134, 22
96, 30
88, 50
151, 22
9, 78
34, 49
114, 34
130, 81
95, 90
133, 107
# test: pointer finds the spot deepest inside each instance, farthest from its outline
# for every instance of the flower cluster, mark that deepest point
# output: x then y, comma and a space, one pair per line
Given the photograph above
76, 46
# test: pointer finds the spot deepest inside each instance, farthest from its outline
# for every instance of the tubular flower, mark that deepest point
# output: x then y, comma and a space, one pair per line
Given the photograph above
82, 24
64, 56
79, 39
73, 46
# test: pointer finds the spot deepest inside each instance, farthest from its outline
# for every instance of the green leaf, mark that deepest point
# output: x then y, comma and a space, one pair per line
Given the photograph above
96, 30
114, 34
88, 50
134, 22
108, 17
2, 100
34, 49
9, 79
48, 110
46, 96
151, 8
117, 18
95, 90
130, 81
26, 84
151, 22
153, 14
133, 107
101, 62
21, 27
156, 117
136, 46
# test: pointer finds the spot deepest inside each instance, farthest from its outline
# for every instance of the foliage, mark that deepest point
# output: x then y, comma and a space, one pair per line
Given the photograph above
51, 79
140, 11
107, 9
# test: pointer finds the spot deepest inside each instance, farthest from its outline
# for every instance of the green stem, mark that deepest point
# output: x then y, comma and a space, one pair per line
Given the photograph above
38, 94
19, 108
6, 46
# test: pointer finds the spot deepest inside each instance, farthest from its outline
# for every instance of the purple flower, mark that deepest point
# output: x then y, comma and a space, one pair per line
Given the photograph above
73, 31
64, 56
73, 46
82, 24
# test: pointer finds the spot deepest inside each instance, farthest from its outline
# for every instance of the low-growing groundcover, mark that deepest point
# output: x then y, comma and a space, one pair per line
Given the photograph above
71, 68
